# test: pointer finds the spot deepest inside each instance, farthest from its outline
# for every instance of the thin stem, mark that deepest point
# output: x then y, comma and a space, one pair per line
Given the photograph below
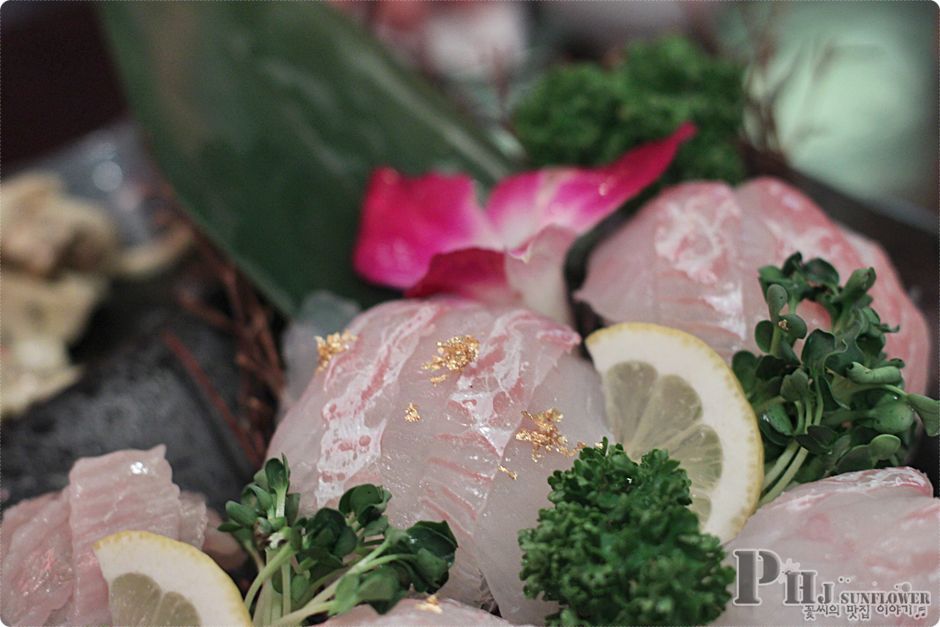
895, 390
316, 605
274, 563
259, 563
295, 618
786, 478
800, 417
272, 613
384, 560
285, 588
818, 416
319, 603
808, 416
260, 616
775, 341
781, 463
863, 387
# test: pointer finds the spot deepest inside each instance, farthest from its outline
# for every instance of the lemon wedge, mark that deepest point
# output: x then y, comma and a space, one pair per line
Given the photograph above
153, 580
669, 390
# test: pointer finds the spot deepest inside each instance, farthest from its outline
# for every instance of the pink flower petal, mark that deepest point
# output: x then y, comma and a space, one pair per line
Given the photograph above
577, 198
406, 221
432, 227
531, 276
477, 273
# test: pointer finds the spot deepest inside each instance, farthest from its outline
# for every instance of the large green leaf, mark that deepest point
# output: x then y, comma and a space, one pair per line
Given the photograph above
267, 118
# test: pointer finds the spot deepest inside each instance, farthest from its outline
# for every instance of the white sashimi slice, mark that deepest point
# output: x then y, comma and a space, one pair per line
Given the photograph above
343, 397
795, 224
126, 490
521, 489
689, 259
49, 575
419, 613
194, 518
37, 563
350, 426
14, 517
676, 263
878, 528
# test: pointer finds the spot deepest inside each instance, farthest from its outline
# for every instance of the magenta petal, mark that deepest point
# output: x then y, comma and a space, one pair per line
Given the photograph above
531, 276
577, 198
477, 273
406, 221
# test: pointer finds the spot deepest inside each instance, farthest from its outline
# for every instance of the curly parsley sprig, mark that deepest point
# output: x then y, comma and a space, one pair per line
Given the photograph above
588, 115
620, 545
840, 405
327, 563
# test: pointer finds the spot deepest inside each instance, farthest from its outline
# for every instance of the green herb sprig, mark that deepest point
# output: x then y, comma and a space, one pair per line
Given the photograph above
335, 559
620, 546
586, 114
840, 405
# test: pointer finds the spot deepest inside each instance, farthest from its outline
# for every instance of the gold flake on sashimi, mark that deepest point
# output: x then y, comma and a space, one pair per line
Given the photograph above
510, 473
546, 436
453, 356
430, 604
334, 344
411, 413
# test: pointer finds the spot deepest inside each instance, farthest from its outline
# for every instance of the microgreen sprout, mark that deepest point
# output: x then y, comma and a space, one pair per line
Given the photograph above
840, 405
335, 559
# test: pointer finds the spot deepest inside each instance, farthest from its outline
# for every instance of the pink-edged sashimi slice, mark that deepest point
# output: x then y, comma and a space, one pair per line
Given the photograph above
690, 257
864, 531
381, 413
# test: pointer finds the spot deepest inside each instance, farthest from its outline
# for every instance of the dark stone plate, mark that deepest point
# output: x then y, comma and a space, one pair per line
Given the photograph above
141, 396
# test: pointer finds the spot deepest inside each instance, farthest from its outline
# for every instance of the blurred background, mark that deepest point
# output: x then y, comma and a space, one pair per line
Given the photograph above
150, 317
859, 111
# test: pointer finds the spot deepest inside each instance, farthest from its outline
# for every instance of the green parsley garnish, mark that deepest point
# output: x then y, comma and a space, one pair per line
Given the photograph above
621, 546
840, 405
585, 114
335, 559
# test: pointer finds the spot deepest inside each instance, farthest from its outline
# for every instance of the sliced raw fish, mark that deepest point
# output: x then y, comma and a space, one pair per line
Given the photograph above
439, 459
37, 561
689, 259
116, 492
878, 528
22, 512
521, 488
419, 612
194, 517
676, 263
49, 572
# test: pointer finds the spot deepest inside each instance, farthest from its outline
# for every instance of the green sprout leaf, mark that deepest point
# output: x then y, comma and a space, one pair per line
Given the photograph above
328, 563
840, 405
929, 411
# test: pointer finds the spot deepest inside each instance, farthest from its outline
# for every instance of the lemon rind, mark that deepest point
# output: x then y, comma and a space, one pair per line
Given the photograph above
749, 467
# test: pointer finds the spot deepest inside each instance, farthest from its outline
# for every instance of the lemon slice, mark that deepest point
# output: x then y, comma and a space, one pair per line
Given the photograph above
667, 389
153, 580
